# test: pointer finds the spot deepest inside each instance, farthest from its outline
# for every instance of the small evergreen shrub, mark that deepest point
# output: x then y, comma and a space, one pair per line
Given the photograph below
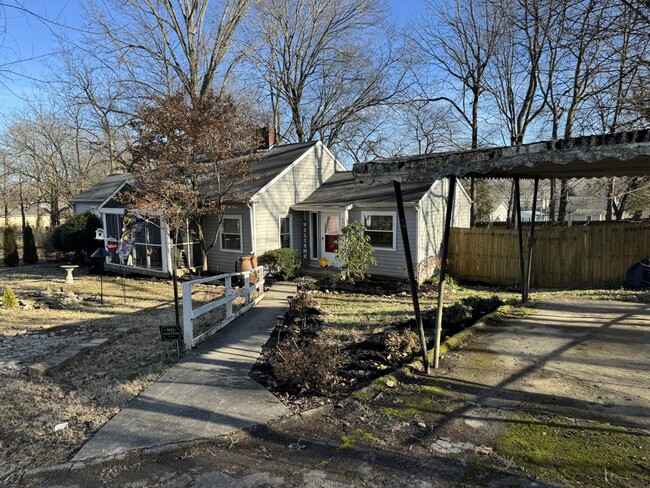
77, 234
30, 255
9, 300
10, 248
355, 252
282, 262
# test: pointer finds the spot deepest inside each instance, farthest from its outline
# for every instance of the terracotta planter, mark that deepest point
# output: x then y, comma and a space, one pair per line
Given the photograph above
246, 263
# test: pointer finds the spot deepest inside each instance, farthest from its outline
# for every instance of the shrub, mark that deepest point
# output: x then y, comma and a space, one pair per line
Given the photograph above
355, 252
306, 367
77, 234
30, 255
9, 300
10, 248
283, 262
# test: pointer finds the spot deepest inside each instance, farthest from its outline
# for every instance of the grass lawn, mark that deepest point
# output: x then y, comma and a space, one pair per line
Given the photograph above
88, 391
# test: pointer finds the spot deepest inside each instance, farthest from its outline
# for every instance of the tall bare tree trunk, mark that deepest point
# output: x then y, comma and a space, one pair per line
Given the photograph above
551, 203
564, 199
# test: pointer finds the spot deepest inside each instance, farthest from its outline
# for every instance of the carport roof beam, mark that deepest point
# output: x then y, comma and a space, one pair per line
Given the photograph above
618, 154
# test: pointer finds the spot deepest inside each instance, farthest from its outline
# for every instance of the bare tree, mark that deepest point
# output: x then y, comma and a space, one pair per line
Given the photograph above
324, 64
105, 101
458, 40
188, 160
161, 46
50, 152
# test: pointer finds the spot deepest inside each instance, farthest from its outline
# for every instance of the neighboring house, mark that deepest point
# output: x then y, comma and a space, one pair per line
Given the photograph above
499, 212
298, 196
586, 209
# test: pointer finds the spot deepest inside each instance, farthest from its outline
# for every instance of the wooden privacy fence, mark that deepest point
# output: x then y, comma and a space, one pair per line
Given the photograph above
581, 256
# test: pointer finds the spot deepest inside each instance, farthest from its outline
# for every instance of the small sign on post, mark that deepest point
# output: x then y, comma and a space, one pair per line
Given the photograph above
170, 333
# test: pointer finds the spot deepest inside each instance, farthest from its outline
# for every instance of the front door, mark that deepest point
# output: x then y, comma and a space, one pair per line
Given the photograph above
331, 226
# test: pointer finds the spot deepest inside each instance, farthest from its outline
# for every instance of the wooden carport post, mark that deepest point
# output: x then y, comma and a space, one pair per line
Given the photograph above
411, 272
443, 268
531, 243
520, 233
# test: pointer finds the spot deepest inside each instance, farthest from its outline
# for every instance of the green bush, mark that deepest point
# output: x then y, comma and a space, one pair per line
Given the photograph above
10, 248
9, 300
30, 255
283, 262
355, 252
77, 234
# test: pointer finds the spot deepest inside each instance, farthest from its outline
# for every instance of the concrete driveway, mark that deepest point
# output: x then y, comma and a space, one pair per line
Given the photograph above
588, 354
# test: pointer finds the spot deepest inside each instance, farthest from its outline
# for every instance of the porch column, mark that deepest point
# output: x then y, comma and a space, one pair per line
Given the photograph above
443, 268
411, 272
522, 267
531, 242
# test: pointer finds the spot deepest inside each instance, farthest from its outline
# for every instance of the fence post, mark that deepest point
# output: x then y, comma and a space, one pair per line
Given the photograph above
188, 331
247, 286
228, 293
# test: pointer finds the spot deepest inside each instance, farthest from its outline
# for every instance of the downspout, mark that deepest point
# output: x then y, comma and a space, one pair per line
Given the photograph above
251, 213
345, 215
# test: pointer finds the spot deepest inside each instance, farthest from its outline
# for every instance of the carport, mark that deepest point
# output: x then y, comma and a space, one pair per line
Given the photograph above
606, 155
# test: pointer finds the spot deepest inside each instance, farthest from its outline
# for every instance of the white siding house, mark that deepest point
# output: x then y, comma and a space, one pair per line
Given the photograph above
298, 196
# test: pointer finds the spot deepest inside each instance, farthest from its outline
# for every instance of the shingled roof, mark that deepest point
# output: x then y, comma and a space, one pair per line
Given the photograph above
269, 166
101, 191
276, 160
341, 190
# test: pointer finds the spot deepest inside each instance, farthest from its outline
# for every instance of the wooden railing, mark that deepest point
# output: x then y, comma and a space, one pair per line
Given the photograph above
581, 256
252, 291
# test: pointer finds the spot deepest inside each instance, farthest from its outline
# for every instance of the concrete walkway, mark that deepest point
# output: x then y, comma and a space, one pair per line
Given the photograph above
206, 394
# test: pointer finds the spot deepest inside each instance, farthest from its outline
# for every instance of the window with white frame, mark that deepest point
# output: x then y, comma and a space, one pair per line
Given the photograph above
231, 233
380, 227
285, 231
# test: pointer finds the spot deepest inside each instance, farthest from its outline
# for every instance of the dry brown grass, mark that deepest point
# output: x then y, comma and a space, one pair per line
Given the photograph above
92, 388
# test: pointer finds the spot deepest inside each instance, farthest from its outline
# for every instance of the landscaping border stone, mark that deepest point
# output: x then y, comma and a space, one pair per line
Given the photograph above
60, 359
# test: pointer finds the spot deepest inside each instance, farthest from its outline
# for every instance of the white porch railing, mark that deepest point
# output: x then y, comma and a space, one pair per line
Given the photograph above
190, 313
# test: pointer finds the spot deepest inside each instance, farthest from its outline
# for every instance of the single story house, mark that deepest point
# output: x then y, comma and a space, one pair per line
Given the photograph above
298, 196
340, 200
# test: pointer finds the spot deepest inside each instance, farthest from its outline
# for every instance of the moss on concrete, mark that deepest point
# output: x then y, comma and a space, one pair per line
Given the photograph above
351, 441
427, 400
575, 452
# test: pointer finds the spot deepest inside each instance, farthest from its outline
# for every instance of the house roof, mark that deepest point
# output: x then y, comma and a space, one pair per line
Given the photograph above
618, 154
103, 190
341, 190
586, 204
272, 163
276, 160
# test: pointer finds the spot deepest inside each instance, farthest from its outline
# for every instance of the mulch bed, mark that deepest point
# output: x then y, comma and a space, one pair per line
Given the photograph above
306, 364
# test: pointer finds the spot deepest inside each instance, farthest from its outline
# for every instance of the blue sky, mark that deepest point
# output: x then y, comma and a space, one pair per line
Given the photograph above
28, 39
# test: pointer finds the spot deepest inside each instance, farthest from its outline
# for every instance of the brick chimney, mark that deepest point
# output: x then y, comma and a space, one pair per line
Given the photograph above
266, 137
